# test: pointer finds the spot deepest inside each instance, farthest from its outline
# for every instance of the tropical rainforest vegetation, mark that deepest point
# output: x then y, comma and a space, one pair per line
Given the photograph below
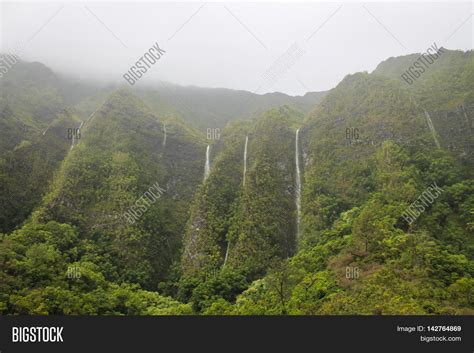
231, 241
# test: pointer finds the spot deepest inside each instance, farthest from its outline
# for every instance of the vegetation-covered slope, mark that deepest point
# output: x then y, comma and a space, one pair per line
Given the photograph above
369, 154
256, 219
446, 92
29, 101
120, 156
26, 171
387, 205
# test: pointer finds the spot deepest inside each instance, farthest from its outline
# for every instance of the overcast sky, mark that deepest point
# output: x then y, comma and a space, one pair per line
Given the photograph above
231, 45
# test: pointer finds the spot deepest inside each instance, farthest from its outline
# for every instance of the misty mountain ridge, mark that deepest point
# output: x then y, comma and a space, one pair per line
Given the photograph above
201, 107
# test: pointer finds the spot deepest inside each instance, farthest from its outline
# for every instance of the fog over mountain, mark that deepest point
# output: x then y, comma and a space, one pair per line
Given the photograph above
235, 46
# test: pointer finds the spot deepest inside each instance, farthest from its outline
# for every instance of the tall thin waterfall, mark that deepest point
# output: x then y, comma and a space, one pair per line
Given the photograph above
298, 184
164, 138
227, 252
432, 129
74, 134
207, 166
72, 143
245, 157
245, 171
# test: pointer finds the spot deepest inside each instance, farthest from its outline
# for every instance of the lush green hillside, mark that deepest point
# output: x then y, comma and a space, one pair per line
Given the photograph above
342, 137
358, 254
446, 83
120, 156
264, 225
446, 92
236, 230
31, 96
227, 211
387, 198
36, 118
29, 101
26, 171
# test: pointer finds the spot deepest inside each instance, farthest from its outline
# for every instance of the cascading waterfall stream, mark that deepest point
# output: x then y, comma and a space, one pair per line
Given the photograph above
207, 167
245, 158
74, 134
431, 127
243, 182
298, 184
227, 252
164, 138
